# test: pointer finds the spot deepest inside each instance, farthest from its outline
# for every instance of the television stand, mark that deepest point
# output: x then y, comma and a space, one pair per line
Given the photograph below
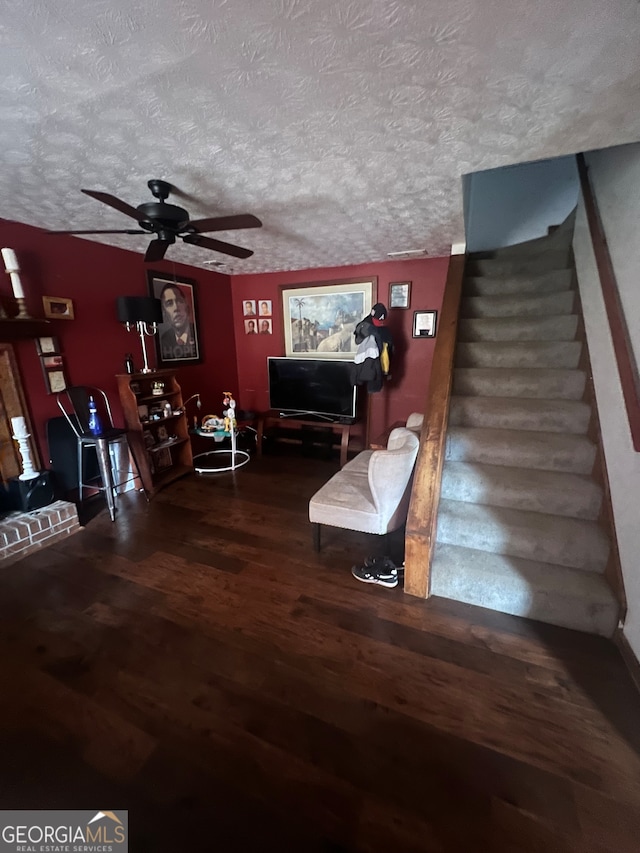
269, 419
304, 416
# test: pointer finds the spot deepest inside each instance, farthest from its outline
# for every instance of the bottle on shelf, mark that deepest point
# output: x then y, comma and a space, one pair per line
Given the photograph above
95, 427
128, 363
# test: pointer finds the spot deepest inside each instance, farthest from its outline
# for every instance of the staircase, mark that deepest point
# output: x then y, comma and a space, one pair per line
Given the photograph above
518, 524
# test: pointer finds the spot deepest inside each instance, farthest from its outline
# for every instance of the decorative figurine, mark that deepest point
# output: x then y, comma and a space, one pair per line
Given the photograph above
229, 411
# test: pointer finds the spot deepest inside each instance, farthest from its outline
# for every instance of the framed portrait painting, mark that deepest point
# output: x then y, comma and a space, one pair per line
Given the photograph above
177, 340
319, 319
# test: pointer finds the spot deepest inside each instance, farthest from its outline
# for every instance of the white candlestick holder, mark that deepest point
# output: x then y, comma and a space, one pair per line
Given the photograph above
28, 471
22, 314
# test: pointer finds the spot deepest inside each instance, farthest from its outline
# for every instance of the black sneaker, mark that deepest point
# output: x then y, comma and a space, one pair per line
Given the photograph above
377, 564
382, 576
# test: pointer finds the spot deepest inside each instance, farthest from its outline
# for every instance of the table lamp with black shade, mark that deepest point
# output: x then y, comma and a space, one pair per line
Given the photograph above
142, 313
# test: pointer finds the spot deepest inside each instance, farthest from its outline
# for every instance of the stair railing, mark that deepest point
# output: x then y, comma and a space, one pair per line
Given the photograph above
618, 326
420, 533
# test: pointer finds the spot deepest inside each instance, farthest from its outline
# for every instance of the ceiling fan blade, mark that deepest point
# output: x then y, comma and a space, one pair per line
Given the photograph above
217, 246
100, 232
226, 223
156, 250
112, 201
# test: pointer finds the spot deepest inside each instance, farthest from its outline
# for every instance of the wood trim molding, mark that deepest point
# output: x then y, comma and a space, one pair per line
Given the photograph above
627, 367
12, 405
628, 656
425, 496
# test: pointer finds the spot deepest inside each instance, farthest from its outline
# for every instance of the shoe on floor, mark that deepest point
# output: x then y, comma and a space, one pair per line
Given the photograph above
383, 577
377, 564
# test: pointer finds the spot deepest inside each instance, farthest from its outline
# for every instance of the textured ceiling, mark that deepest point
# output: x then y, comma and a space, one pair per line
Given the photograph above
345, 126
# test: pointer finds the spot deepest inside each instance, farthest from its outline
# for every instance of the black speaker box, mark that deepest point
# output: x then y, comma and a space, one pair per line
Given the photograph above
63, 456
27, 495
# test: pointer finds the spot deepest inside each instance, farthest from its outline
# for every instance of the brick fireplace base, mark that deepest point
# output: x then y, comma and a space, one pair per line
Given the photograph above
24, 532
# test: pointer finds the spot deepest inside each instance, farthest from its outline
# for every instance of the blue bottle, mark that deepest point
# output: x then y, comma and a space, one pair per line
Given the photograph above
95, 427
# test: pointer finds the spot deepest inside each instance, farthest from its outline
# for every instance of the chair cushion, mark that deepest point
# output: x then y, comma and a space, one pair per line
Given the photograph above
345, 501
371, 492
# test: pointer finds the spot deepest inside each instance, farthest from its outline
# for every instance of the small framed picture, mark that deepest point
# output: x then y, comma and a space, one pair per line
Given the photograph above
45, 346
249, 308
424, 324
264, 327
264, 307
399, 294
49, 361
54, 380
250, 327
57, 308
162, 433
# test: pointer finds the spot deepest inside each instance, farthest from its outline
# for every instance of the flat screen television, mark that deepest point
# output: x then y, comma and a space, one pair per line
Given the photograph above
315, 387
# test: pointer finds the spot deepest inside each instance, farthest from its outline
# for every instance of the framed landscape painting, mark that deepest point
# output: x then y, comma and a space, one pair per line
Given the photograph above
319, 320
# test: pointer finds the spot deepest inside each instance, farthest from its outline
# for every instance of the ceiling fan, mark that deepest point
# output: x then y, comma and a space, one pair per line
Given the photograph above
167, 221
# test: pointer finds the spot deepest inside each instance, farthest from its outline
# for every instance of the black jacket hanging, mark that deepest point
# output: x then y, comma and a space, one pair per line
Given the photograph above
372, 341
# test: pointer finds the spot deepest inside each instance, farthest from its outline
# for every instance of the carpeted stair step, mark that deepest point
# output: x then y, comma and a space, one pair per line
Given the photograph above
518, 306
519, 448
573, 495
537, 263
555, 594
541, 383
515, 354
561, 541
518, 519
566, 416
560, 328
550, 282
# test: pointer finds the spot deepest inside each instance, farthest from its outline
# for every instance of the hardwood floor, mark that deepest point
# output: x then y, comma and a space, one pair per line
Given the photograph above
198, 664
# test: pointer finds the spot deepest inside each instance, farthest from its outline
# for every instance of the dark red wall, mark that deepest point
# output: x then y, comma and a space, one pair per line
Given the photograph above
405, 392
94, 343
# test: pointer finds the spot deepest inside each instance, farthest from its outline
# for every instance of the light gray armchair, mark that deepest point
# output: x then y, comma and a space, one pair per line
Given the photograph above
371, 493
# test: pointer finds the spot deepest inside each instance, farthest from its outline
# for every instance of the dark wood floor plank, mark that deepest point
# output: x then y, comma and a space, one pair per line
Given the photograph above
509, 711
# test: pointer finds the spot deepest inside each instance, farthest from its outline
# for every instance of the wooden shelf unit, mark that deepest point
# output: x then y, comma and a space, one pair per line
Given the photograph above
154, 475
